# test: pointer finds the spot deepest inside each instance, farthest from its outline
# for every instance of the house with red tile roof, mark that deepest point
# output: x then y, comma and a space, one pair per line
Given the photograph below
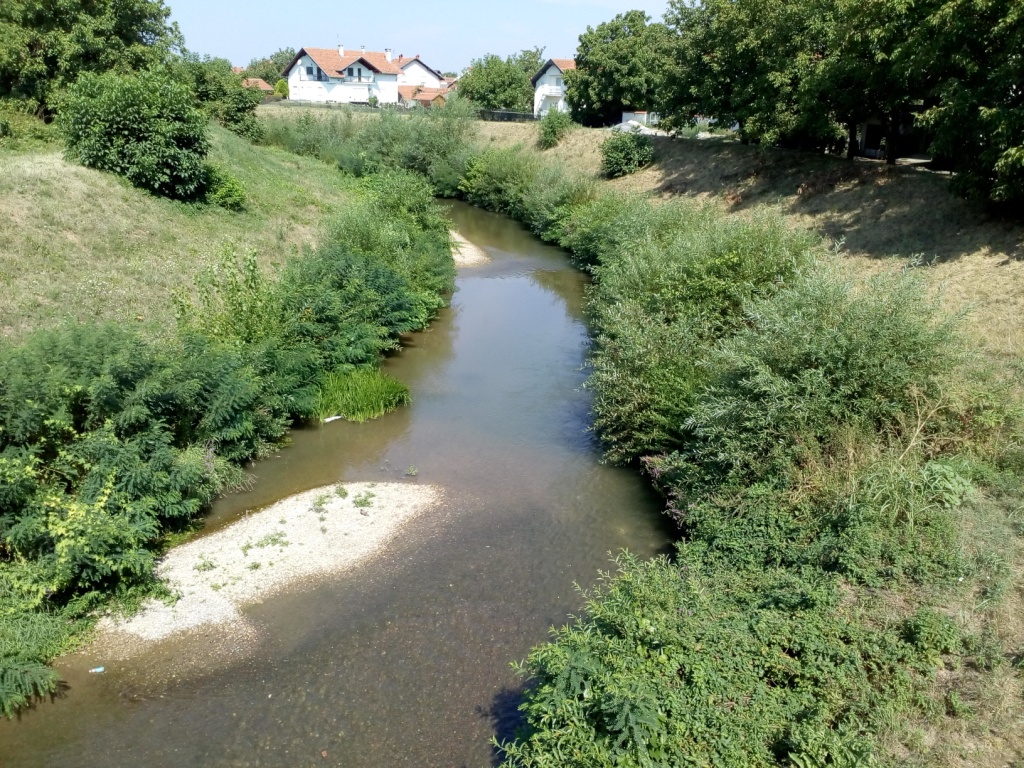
549, 86
347, 76
417, 95
258, 83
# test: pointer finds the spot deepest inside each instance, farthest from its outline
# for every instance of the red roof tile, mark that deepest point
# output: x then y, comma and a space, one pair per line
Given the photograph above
419, 93
333, 63
257, 82
562, 64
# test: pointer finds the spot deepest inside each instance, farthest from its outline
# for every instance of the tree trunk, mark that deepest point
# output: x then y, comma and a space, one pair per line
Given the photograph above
892, 137
851, 140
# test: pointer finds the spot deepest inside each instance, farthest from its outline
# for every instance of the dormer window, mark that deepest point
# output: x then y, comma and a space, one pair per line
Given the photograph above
351, 73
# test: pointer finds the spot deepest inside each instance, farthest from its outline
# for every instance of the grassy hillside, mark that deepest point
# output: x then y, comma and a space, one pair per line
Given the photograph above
78, 244
884, 217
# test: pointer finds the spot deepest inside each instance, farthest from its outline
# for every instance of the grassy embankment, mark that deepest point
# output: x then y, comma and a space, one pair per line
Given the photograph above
884, 218
845, 470
145, 360
81, 245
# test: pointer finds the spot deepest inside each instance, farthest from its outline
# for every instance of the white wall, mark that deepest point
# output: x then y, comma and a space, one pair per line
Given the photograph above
549, 92
417, 73
303, 87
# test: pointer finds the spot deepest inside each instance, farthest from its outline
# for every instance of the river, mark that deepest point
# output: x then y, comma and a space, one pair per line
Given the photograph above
405, 659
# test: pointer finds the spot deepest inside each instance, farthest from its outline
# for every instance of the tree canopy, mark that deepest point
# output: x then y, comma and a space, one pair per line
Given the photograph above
270, 67
46, 44
620, 65
805, 73
496, 83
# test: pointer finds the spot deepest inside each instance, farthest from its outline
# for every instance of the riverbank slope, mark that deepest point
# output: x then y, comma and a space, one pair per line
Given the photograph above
81, 245
882, 218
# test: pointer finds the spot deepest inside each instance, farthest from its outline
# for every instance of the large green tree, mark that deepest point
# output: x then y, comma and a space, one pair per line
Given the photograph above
270, 68
496, 83
743, 62
621, 64
46, 44
974, 51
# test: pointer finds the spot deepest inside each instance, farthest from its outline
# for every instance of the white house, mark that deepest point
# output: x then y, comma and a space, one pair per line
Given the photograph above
549, 86
354, 76
415, 72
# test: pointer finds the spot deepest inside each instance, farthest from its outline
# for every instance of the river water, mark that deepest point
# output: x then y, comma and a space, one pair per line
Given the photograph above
405, 659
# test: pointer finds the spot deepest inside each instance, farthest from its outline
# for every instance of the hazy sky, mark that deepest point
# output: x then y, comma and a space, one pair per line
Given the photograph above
448, 35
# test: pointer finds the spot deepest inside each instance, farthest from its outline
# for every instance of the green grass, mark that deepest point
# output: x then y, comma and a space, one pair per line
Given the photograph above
83, 245
366, 393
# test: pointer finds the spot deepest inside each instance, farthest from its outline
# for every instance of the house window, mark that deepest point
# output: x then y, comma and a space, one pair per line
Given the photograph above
351, 72
309, 72
559, 82
360, 74
320, 74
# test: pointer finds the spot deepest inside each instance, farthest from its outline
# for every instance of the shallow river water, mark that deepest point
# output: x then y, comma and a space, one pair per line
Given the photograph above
405, 659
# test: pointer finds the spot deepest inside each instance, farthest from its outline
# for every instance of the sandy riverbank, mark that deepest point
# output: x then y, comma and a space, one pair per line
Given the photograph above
313, 534
466, 254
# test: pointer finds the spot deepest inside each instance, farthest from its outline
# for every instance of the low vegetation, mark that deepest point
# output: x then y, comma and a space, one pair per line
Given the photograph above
831, 453
554, 127
365, 393
843, 471
625, 152
112, 440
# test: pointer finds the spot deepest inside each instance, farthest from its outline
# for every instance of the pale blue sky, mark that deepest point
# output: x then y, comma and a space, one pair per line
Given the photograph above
447, 35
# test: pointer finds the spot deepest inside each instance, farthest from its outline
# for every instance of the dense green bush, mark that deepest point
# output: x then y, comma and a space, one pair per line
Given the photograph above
671, 280
142, 126
554, 127
224, 190
434, 143
108, 440
219, 92
500, 180
624, 153
689, 663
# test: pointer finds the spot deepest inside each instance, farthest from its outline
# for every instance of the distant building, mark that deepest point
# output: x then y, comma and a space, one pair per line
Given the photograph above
642, 117
415, 95
256, 82
549, 86
344, 76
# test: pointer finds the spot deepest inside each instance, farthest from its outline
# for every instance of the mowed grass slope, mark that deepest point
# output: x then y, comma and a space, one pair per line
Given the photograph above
77, 244
884, 218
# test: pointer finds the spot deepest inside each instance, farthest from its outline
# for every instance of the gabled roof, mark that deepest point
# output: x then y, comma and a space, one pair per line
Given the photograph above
256, 82
562, 65
334, 63
420, 93
429, 69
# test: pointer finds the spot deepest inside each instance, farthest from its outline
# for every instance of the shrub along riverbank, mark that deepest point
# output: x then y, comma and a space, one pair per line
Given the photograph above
111, 442
845, 473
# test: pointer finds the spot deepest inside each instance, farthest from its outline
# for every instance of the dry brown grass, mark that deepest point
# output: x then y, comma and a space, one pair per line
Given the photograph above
76, 244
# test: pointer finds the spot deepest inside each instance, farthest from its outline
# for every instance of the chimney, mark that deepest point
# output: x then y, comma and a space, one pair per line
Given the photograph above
401, 56
341, 49
388, 53
362, 48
